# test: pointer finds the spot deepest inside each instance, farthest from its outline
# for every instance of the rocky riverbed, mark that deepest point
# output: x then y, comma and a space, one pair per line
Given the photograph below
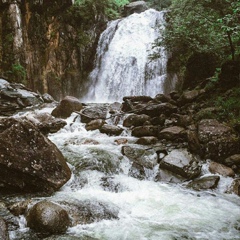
70, 160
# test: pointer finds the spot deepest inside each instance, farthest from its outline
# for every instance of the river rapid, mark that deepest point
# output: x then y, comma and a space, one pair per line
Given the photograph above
146, 210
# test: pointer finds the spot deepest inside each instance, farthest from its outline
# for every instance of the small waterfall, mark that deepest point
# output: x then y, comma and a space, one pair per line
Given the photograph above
122, 66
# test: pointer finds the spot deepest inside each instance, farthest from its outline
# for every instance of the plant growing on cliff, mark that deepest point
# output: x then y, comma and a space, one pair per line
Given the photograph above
19, 73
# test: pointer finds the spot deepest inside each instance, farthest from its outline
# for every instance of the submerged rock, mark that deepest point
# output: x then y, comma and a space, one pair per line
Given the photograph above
28, 160
48, 217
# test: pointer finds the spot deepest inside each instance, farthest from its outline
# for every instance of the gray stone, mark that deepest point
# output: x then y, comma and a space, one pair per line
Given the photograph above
111, 130
174, 133
204, 183
135, 120
181, 162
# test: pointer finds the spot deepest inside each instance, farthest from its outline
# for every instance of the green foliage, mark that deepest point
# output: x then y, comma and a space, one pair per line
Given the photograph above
230, 106
18, 73
159, 4
202, 26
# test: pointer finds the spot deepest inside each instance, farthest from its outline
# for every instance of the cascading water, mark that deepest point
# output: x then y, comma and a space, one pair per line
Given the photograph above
123, 67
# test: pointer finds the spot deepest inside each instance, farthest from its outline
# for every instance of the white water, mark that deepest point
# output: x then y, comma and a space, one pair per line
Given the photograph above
122, 66
148, 210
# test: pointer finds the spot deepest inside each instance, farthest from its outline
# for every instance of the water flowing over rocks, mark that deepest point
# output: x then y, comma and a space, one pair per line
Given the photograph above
28, 160
3, 230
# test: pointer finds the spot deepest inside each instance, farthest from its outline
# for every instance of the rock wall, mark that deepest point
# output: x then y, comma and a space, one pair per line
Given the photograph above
48, 45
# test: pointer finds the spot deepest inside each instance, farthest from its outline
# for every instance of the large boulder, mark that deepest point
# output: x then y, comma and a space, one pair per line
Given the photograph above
218, 140
233, 162
147, 130
190, 96
181, 162
28, 160
48, 217
111, 130
66, 107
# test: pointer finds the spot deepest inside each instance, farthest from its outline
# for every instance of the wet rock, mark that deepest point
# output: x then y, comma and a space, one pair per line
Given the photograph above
235, 187
194, 145
19, 208
147, 140
94, 112
181, 162
190, 96
45, 122
111, 130
47, 98
142, 131
158, 120
135, 7
162, 98
29, 161
218, 140
169, 177
3, 230
135, 120
94, 124
86, 212
174, 133
146, 158
221, 169
66, 107
48, 217
204, 183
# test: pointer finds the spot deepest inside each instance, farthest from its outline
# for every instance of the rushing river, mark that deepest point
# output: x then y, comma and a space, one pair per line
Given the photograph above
147, 210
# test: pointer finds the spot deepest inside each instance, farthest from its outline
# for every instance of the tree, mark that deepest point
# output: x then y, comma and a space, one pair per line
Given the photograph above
194, 26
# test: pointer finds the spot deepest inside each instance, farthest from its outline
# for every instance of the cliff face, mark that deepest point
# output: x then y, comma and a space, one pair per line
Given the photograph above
48, 45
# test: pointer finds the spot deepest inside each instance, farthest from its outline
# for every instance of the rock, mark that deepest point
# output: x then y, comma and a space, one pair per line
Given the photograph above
183, 120
19, 208
147, 140
162, 98
158, 120
146, 158
48, 217
204, 183
135, 7
15, 96
181, 162
111, 130
235, 187
138, 98
29, 161
194, 145
169, 177
47, 98
190, 96
121, 141
218, 140
86, 212
94, 124
135, 120
3, 230
142, 131
66, 107
233, 160
174, 133
45, 122
221, 169
155, 110
94, 112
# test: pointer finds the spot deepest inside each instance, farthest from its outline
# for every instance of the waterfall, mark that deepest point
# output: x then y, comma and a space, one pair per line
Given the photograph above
122, 64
